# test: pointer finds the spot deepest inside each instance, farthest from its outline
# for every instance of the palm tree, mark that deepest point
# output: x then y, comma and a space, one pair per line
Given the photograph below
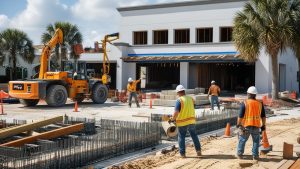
264, 24
15, 43
71, 36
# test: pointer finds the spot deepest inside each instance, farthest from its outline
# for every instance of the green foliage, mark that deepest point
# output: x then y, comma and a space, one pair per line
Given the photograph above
71, 36
14, 43
268, 25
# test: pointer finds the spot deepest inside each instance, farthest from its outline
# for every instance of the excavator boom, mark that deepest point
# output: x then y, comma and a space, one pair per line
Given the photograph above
56, 39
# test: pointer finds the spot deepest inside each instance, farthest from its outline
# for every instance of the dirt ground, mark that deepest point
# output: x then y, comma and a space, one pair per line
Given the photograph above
220, 152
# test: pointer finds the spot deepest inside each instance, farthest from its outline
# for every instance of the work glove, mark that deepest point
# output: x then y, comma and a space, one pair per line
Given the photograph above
263, 128
238, 126
171, 120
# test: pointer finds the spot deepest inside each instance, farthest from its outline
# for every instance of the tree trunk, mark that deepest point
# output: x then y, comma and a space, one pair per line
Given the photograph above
275, 76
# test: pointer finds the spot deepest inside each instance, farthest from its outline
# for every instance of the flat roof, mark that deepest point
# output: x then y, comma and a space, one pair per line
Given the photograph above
176, 4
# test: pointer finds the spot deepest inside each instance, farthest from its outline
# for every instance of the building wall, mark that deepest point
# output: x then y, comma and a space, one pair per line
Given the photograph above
212, 15
288, 58
192, 17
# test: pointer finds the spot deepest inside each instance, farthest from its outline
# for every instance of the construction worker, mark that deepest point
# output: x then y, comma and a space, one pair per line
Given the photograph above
251, 120
214, 92
184, 116
131, 88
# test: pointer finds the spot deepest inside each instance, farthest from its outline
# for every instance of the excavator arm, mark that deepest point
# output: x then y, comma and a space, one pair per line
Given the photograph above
56, 39
106, 63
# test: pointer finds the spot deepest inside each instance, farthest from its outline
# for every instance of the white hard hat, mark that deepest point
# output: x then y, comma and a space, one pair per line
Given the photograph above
252, 90
180, 88
130, 80
213, 82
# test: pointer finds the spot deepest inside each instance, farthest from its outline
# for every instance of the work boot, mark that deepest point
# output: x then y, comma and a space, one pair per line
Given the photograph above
239, 157
199, 153
182, 156
255, 158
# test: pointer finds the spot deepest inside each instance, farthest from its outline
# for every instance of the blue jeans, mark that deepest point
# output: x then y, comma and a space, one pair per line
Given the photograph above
181, 137
254, 132
133, 94
213, 100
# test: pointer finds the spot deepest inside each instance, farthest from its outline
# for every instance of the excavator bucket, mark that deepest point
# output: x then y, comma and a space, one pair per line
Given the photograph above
78, 49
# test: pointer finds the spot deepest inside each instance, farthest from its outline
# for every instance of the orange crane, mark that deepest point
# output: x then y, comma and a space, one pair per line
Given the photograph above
71, 82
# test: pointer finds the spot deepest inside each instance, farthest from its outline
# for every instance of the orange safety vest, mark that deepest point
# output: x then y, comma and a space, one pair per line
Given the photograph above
252, 115
186, 115
132, 87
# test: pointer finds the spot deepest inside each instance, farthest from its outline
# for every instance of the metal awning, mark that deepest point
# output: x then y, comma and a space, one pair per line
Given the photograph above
198, 59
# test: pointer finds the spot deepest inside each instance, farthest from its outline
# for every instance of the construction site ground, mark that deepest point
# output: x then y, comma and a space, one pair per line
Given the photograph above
109, 110
283, 125
219, 152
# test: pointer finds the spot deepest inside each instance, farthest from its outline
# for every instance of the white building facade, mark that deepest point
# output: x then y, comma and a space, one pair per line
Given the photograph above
190, 43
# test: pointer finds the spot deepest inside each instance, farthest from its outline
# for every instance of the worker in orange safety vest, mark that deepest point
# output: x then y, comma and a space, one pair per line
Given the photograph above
131, 89
251, 120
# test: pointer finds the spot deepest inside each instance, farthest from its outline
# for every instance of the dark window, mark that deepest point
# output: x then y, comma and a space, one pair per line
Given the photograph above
140, 38
226, 34
160, 37
182, 36
204, 35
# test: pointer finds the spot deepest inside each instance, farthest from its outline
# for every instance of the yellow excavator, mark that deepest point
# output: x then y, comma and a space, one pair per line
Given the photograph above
71, 82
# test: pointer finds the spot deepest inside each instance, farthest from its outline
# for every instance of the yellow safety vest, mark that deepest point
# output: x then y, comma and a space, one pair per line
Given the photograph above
186, 115
252, 113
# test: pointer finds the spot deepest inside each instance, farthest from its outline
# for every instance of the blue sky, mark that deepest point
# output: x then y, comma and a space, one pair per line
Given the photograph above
95, 18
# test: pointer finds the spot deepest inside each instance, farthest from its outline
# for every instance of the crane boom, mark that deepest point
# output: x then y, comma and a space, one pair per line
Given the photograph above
56, 39
106, 64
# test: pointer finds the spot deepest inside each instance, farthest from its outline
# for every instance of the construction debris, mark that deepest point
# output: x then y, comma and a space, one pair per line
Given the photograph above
288, 150
168, 97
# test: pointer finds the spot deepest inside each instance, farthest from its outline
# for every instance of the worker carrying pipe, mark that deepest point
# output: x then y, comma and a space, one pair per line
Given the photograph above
131, 89
252, 118
184, 116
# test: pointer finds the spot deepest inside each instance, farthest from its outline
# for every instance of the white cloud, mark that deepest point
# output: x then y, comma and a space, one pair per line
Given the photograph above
3, 21
95, 18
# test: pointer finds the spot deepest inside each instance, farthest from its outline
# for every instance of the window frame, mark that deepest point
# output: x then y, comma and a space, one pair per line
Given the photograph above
212, 34
140, 31
220, 32
174, 35
153, 36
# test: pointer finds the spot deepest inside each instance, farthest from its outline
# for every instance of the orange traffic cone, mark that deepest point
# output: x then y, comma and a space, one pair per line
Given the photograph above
150, 103
227, 131
265, 146
2, 109
76, 107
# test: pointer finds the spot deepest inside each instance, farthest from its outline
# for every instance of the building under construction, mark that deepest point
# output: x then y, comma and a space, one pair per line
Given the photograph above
190, 43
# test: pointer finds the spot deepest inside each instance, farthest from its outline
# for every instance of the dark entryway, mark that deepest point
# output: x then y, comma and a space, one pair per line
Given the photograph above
160, 75
235, 77
97, 68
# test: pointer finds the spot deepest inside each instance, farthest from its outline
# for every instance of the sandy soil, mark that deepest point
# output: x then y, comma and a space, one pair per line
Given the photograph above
220, 152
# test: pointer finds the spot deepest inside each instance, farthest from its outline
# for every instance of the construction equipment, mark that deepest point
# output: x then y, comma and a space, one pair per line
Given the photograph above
71, 82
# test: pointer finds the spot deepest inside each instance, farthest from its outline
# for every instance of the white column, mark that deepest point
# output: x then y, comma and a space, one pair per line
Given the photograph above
184, 74
171, 36
192, 35
150, 37
216, 34
263, 74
